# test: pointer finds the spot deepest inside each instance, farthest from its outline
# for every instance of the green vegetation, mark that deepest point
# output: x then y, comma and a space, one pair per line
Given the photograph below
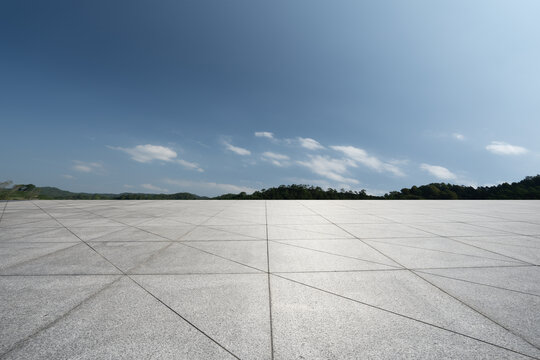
528, 188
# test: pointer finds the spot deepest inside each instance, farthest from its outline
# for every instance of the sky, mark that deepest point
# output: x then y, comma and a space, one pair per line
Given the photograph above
214, 97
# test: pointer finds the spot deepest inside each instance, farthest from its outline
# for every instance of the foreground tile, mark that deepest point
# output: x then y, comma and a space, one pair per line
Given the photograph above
121, 322
232, 309
311, 324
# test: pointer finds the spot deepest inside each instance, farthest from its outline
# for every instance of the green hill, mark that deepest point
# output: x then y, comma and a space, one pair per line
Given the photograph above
528, 188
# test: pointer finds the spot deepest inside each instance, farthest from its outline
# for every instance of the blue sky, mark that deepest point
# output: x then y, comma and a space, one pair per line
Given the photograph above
216, 96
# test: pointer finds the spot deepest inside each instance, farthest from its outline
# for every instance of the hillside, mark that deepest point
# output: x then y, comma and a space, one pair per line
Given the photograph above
528, 188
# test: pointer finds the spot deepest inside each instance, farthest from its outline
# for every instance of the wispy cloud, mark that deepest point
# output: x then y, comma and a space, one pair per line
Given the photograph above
458, 136
310, 144
362, 157
87, 167
67, 176
153, 188
275, 158
265, 134
439, 172
333, 169
502, 148
236, 149
149, 153
212, 187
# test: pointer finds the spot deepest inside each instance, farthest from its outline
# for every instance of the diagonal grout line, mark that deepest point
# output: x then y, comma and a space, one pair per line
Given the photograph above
474, 246
41, 232
268, 279
330, 253
146, 290
178, 241
402, 315
442, 290
477, 283
441, 251
3, 210
43, 255
44, 327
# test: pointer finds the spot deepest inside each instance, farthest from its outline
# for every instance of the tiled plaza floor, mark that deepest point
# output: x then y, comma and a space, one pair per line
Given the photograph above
270, 279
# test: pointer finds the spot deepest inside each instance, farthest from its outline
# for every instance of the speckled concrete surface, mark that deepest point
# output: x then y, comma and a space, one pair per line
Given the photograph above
269, 279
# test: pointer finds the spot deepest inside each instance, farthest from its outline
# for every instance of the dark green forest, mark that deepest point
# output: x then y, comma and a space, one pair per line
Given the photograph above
528, 188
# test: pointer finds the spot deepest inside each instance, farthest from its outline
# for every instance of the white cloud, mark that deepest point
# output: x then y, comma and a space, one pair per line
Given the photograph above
87, 167
438, 171
208, 187
275, 158
330, 168
362, 157
153, 188
148, 153
502, 148
189, 165
310, 143
236, 149
458, 136
265, 134
67, 176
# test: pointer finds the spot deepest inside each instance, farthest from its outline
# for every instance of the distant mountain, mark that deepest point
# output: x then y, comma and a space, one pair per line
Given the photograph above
528, 188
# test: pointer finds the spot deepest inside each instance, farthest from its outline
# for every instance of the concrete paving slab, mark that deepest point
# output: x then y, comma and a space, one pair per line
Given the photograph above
416, 258
30, 303
405, 293
287, 258
350, 248
121, 322
181, 259
14, 253
72, 259
518, 312
193, 280
37, 235
250, 253
308, 232
232, 309
316, 325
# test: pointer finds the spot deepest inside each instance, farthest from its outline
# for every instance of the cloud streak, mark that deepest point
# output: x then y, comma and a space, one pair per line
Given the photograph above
216, 188
265, 134
330, 168
87, 167
153, 188
275, 158
439, 172
502, 148
310, 144
362, 157
148, 153
236, 149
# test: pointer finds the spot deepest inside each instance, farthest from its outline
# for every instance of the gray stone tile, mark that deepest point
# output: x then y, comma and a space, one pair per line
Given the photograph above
311, 324
286, 258
383, 231
121, 322
457, 229
518, 278
90, 233
233, 232
529, 254
407, 294
352, 248
298, 232
250, 253
516, 227
30, 303
72, 259
181, 259
232, 309
423, 258
518, 312
128, 255
17, 253
37, 235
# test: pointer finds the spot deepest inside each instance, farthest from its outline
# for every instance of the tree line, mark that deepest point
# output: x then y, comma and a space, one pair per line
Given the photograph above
528, 188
